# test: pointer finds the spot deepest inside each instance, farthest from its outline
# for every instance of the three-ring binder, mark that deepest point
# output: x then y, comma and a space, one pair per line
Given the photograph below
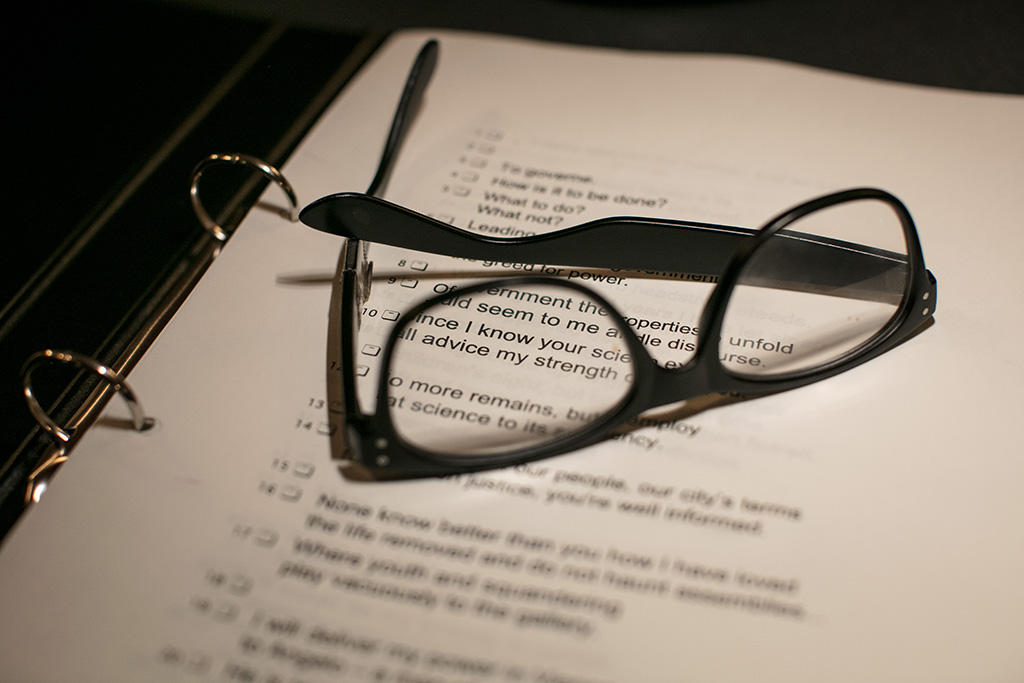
63, 435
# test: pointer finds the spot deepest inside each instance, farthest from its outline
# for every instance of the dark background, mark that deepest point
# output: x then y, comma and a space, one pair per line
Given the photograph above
110, 104
975, 44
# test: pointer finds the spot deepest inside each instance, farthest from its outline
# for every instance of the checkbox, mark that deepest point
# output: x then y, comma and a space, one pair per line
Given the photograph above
477, 162
304, 469
460, 191
418, 265
291, 493
469, 176
362, 370
485, 148
266, 538
409, 283
240, 584
370, 350
389, 314
225, 612
326, 429
198, 662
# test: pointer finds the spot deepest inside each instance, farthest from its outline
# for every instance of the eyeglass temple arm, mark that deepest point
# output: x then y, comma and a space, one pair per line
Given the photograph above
644, 244
408, 104
626, 243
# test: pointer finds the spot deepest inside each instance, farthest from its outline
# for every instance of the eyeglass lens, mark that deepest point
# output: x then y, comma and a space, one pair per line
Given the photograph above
798, 305
505, 368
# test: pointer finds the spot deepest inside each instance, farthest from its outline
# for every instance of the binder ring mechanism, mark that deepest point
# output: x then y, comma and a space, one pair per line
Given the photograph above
40, 477
246, 160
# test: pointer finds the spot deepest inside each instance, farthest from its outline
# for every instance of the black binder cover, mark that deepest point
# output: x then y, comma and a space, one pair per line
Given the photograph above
116, 104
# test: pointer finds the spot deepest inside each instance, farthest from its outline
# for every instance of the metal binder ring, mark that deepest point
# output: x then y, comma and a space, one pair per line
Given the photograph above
139, 420
39, 480
246, 160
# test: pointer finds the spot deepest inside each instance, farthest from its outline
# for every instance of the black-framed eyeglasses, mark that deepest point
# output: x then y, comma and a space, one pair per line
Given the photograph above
511, 370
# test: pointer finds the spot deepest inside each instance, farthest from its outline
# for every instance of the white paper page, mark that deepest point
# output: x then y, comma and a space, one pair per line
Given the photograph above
863, 528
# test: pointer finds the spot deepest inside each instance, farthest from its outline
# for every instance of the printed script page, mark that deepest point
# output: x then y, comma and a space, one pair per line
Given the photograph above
864, 528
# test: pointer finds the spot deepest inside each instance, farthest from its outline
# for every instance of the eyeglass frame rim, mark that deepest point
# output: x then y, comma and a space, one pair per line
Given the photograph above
900, 326
378, 446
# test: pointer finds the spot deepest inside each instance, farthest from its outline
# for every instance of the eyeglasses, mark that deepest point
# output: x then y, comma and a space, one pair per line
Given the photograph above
506, 371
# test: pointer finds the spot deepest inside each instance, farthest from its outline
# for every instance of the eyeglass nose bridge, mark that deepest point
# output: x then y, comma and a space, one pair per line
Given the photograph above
666, 386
